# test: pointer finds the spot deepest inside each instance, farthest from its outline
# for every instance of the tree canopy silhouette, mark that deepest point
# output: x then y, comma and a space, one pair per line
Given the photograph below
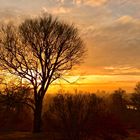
40, 50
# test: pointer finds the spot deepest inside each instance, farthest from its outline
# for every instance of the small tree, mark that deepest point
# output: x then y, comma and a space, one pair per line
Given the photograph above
12, 105
135, 97
137, 88
118, 101
40, 50
73, 115
82, 117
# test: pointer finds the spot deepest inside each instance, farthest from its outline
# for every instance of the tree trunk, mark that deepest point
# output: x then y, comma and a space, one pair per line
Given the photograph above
37, 123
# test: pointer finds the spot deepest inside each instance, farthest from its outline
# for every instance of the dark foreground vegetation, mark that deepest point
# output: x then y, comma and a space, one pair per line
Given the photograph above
71, 116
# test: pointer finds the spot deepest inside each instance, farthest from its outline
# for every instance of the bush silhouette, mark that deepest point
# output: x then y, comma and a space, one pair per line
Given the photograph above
80, 117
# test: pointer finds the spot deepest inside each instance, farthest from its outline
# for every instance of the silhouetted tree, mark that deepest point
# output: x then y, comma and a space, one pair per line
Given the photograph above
71, 115
118, 104
40, 50
135, 97
82, 117
14, 103
137, 88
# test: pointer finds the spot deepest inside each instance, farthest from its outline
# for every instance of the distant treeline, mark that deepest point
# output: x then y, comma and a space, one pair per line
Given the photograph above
76, 116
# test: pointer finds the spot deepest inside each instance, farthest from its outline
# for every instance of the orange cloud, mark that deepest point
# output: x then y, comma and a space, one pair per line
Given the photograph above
90, 2
60, 10
56, 10
128, 19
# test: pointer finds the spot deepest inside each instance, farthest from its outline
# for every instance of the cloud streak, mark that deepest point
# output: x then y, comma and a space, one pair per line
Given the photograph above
90, 2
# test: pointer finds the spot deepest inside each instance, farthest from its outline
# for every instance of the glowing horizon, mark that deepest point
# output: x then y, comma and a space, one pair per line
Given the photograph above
94, 83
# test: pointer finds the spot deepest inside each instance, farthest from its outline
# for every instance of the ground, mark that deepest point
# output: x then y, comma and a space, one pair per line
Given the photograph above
44, 136
23, 136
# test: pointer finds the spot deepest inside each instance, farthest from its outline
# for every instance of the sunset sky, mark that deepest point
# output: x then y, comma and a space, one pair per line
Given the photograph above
110, 30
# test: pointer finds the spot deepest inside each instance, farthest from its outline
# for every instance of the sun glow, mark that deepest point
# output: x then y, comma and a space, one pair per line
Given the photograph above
86, 83
93, 83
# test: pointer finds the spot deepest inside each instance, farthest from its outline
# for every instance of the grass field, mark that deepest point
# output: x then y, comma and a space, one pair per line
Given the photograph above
134, 135
24, 136
45, 136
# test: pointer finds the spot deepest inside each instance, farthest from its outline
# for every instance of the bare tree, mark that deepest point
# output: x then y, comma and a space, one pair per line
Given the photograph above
135, 97
13, 102
118, 105
82, 117
40, 50
73, 115
137, 88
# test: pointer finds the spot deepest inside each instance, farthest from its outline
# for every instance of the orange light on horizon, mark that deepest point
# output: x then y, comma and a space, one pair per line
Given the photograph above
93, 83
